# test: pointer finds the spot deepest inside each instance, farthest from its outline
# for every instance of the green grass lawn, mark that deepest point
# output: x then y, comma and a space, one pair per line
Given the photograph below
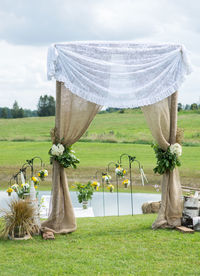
105, 246
96, 156
115, 127
21, 139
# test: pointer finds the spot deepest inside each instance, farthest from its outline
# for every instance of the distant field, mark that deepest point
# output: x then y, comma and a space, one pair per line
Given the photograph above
109, 127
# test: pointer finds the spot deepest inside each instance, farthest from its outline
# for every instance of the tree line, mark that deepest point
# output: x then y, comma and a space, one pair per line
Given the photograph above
193, 106
45, 107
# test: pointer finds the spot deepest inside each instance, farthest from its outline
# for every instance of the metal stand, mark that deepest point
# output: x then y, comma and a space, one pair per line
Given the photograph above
117, 183
131, 159
102, 183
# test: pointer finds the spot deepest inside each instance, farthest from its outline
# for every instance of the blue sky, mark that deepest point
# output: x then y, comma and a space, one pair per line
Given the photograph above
28, 27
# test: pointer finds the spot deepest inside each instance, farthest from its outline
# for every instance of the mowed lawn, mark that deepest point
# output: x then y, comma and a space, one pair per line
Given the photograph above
96, 156
109, 135
115, 127
123, 245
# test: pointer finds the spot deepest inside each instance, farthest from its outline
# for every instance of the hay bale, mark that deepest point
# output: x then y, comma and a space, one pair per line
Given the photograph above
151, 207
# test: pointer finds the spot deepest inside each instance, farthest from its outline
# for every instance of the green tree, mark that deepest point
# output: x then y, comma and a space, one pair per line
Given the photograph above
4, 112
194, 106
16, 111
180, 107
187, 107
46, 106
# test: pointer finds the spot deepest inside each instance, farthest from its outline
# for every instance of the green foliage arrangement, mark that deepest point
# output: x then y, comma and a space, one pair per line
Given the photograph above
64, 155
166, 160
85, 192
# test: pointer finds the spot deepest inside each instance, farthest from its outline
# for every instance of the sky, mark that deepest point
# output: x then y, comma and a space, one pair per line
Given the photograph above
28, 27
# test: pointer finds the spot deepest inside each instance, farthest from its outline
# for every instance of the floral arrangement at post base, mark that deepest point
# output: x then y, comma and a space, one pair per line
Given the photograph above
106, 177
126, 183
42, 174
85, 193
167, 160
63, 155
120, 172
95, 185
22, 191
110, 187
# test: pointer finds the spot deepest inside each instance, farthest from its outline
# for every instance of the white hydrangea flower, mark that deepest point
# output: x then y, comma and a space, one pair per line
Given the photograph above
54, 150
176, 148
57, 150
60, 148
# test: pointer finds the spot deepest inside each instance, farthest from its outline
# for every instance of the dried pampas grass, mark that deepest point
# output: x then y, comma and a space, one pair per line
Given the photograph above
19, 220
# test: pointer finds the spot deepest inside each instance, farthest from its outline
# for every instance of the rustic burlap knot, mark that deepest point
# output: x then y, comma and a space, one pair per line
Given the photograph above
54, 136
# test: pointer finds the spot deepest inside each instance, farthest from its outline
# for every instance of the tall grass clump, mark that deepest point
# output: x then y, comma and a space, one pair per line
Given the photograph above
18, 221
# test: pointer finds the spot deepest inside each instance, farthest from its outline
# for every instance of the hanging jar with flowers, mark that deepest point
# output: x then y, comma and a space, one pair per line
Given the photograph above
126, 183
119, 171
106, 177
110, 187
95, 185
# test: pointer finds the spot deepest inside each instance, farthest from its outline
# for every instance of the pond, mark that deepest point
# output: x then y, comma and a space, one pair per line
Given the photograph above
110, 199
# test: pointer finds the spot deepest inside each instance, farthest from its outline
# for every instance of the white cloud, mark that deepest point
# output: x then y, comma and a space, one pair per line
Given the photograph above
23, 75
28, 27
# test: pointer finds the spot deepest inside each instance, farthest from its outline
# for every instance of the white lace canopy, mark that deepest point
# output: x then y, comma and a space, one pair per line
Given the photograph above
119, 74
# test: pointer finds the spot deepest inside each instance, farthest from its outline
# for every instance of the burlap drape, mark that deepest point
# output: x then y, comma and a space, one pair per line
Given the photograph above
162, 120
73, 117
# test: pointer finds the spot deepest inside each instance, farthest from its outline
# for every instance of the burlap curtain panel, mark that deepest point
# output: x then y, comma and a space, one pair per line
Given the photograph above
162, 121
73, 117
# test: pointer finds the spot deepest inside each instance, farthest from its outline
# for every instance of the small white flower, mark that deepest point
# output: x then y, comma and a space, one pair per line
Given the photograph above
176, 148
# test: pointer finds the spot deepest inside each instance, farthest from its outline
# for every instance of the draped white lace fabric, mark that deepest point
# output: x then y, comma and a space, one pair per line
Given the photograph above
119, 74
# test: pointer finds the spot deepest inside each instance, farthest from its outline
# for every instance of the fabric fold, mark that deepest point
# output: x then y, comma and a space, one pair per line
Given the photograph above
162, 121
73, 117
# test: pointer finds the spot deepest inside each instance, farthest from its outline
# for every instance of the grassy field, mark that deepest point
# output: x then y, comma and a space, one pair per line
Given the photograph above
96, 156
112, 127
109, 135
105, 246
